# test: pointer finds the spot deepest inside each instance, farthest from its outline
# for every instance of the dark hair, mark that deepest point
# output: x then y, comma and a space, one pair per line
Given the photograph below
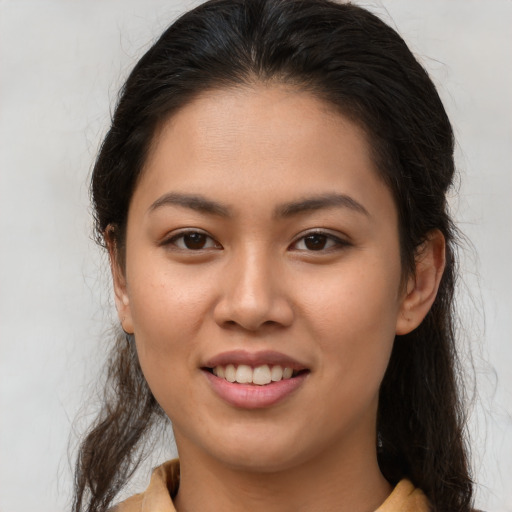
348, 57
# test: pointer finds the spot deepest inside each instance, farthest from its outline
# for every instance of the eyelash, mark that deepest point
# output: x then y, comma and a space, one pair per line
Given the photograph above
173, 240
334, 241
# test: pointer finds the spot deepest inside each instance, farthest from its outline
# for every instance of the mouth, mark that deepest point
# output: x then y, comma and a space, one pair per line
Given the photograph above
260, 375
254, 380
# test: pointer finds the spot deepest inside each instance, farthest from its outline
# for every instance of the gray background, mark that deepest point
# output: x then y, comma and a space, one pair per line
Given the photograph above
61, 64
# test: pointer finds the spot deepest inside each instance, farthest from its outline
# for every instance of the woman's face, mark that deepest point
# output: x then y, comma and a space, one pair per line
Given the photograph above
261, 238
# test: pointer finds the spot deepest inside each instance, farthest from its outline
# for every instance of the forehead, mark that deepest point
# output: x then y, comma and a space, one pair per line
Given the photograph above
267, 140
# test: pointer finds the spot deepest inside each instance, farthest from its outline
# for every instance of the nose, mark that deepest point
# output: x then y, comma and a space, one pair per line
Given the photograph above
253, 296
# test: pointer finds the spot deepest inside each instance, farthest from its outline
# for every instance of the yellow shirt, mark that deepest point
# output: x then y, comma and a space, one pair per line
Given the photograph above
165, 481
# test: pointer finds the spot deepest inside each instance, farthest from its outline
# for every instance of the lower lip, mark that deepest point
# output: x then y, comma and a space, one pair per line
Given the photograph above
251, 396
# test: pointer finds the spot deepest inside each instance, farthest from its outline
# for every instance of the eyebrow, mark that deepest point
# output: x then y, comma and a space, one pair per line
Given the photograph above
192, 201
318, 203
201, 204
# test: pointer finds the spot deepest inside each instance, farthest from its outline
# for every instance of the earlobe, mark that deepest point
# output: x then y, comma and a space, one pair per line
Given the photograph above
121, 296
421, 289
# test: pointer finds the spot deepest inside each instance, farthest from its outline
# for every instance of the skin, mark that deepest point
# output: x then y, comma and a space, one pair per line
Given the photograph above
256, 285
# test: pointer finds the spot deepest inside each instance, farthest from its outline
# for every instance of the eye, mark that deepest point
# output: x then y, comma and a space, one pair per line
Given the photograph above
193, 241
318, 241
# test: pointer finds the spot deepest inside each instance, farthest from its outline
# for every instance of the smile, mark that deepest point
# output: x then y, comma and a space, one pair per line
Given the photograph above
260, 375
254, 380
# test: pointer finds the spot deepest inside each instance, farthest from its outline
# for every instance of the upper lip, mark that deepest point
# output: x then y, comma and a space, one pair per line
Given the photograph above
253, 359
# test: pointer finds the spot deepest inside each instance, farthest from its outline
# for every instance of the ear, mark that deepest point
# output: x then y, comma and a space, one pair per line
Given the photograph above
421, 287
119, 281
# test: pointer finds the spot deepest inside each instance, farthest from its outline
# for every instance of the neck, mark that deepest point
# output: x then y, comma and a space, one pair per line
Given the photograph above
329, 482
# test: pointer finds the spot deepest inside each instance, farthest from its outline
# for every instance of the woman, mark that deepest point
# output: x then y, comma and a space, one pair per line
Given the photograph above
272, 195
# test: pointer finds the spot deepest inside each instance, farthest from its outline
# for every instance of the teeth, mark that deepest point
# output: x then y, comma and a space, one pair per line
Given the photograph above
230, 373
243, 374
260, 375
276, 373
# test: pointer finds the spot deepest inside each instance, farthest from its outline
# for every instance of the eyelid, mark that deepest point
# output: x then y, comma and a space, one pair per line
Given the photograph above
340, 240
170, 239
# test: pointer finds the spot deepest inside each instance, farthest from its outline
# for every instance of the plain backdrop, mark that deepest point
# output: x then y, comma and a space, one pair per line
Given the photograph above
61, 64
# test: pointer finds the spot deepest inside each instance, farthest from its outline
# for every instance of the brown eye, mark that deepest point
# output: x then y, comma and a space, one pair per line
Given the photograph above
193, 241
319, 241
315, 242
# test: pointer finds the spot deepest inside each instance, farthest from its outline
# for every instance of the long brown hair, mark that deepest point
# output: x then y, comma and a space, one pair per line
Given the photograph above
351, 59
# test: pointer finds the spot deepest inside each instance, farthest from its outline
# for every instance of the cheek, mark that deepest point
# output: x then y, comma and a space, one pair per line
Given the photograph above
359, 297
166, 309
165, 325
353, 315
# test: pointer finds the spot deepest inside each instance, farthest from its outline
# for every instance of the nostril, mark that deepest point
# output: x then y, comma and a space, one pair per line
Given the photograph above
252, 327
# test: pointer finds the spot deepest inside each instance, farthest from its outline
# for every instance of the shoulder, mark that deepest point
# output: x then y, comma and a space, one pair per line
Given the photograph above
405, 497
162, 487
133, 504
